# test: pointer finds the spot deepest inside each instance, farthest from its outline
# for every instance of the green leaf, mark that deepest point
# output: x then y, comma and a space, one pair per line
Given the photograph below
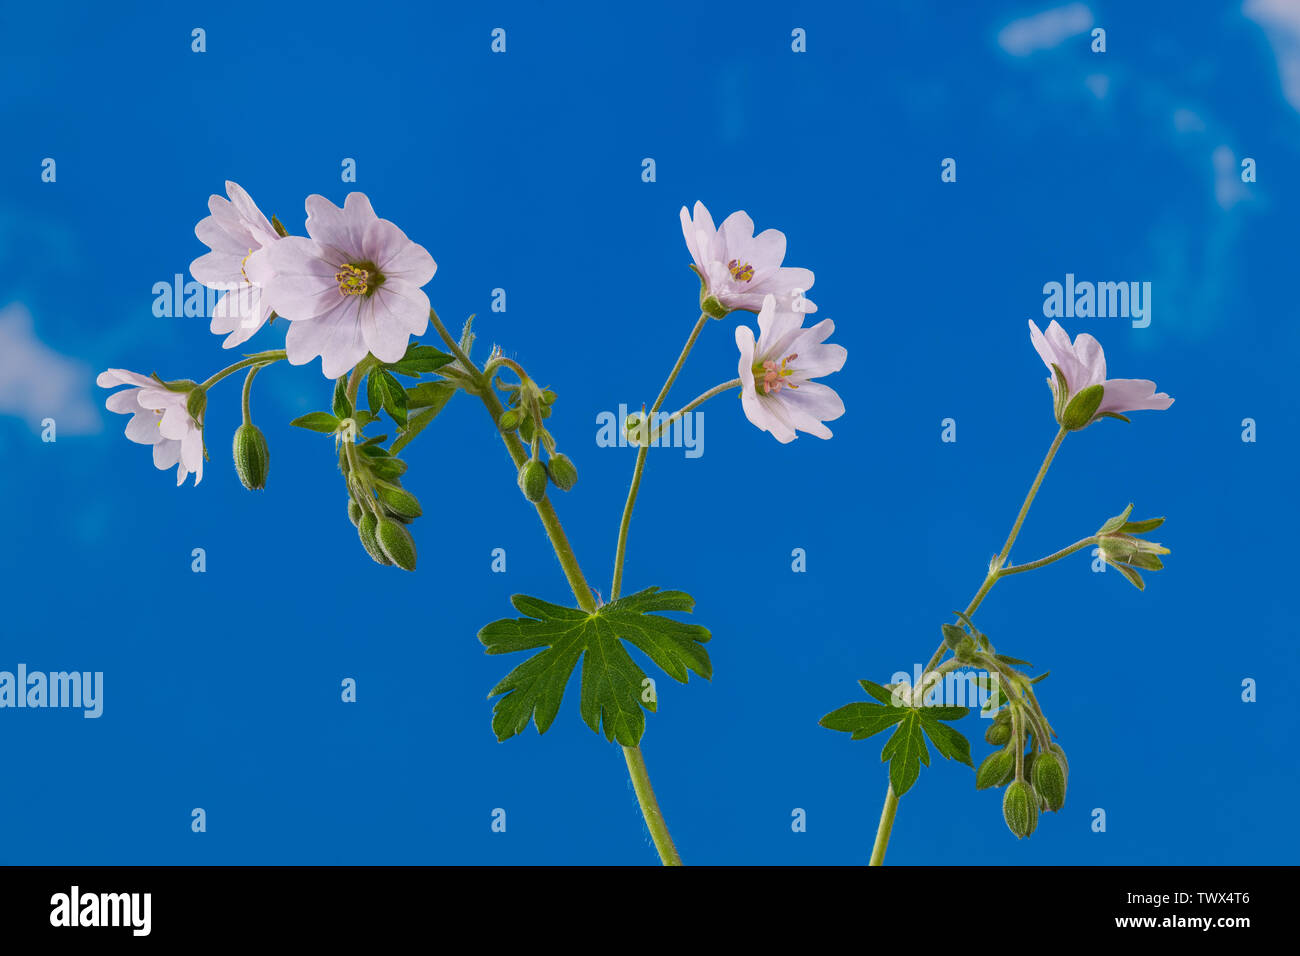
421, 419
881, 694
419, 359
612, 682
949, 741
429, 394
1013, 661
906, 751
317, 422
386, 392
342, 407
862, 719
946, 713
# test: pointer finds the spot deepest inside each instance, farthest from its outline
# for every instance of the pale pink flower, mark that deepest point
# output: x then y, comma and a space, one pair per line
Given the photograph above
777, 391
737, 269
238, 235
352, 288
159, 417
1083, 363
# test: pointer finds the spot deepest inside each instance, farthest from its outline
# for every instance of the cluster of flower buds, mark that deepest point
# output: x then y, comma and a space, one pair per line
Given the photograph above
1029, 763
380, 507
527, 407
1120, 547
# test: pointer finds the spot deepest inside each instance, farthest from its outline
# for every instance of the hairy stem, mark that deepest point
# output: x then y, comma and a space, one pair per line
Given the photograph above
261, 358
691, 406
1044, 562
990, 579
885, 828
620, 552
645, 794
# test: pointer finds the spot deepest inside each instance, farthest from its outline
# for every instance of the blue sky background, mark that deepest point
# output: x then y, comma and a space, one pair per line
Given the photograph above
523, 171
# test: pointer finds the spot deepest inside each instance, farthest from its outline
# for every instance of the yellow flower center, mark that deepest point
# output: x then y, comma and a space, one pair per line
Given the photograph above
355, 279
243, 262
742, 271
773, 376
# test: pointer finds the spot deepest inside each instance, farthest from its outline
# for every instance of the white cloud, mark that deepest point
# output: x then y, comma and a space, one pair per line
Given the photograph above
1045, 30
1281, 22
1228, 187
37, 382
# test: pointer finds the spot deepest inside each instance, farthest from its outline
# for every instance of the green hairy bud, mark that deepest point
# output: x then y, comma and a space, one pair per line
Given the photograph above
995, 768
354, 513
562, 472
368, 530
509, 420
999, 735
532, 480
1020, 808
399, 501
1048, 777
252, 457
396, 543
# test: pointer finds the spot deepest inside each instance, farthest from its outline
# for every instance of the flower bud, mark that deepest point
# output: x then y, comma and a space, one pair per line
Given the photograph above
509, 420
1049, 780
252, 457
548, 397
952, 635
1020, 808
1060, 755
995, 767
397, 543
367, 531
999, 735
966, 651
526, 428
532, 480
354, 513
562, 472
398, 500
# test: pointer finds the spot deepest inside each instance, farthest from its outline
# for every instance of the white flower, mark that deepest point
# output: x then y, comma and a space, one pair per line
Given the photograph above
737, 269
159, 417
776, 373
1083, 364
238, 235
352, 288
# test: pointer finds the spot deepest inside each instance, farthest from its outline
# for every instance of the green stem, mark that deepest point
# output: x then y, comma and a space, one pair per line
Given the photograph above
886, 827
654, 818
645, 794
990, 579
620, 552
261, 358
248, 390
1029, 498
691, 406
1044, 562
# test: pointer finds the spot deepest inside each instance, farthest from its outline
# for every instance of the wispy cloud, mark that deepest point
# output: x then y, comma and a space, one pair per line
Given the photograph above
1281, 22
37, 382
1045, 30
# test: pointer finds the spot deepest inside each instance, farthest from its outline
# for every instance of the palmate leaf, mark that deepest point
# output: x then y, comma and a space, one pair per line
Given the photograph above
613, 690
906, 749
